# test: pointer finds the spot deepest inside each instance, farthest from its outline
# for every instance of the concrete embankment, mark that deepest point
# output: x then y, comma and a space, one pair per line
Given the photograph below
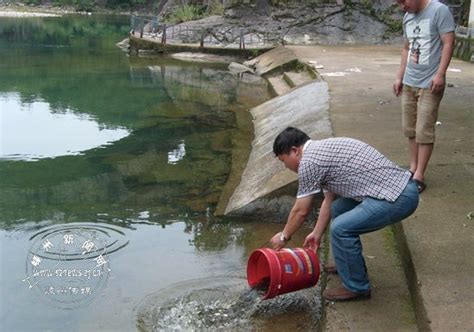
305, 108
147, 43
303, 103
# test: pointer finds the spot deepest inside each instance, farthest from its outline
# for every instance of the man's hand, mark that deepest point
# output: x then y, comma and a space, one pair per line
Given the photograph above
437, 84
397, 87
296, 218
312, 241
276, 242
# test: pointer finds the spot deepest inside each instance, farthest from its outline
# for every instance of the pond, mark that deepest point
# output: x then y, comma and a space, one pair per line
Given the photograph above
110, 171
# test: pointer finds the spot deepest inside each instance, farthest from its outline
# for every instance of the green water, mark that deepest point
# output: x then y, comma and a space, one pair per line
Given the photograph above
133, 150
71, 65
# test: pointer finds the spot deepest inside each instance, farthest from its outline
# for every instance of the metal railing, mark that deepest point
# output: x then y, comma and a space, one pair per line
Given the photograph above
149, 27
463, 32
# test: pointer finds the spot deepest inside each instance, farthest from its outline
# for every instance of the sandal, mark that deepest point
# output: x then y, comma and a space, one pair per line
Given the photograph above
420, 185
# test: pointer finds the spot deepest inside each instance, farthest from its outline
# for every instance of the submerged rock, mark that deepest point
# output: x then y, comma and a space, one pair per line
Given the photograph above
124, 44
237, 68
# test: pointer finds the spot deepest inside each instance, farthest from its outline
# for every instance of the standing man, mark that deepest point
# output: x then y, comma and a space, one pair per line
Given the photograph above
428, 30
363, 192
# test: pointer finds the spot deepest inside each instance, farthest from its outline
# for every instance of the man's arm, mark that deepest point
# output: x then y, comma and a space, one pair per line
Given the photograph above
398, 84
296, 218
439, 80
313, 240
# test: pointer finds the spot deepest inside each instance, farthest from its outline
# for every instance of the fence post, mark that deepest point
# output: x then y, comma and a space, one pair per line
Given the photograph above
242, 40
163, 36
154, 25
202, 38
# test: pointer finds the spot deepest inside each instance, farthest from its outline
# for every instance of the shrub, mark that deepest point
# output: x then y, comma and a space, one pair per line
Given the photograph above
216, 8
184, 13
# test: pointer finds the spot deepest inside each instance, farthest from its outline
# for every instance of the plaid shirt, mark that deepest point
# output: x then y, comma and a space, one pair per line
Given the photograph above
349, 168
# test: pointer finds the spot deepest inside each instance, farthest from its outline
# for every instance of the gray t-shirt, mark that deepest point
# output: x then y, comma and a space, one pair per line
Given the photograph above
423, 30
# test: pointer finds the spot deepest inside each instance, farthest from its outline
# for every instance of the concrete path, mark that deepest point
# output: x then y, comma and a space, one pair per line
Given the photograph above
437, 242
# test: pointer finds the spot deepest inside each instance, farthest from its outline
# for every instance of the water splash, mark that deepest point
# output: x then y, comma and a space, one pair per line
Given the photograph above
223, 304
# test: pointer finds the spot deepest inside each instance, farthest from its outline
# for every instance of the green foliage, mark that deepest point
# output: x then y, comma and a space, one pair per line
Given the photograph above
216, 8
84, 5
184, 13
32, 2
254, 52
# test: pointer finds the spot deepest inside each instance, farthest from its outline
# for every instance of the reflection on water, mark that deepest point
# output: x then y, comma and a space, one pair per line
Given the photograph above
176, 127
177, 154
30, 131
164, 264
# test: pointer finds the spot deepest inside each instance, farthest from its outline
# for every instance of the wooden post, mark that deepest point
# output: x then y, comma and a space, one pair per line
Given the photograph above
202, 38
242, 40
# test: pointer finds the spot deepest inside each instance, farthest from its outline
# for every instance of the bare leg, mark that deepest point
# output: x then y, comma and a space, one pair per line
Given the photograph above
413, 153
424, 154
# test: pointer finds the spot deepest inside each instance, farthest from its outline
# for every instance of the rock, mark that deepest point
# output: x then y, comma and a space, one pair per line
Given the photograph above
271, 60
297, 22
315, 64
124, 44
202, 57
237, 68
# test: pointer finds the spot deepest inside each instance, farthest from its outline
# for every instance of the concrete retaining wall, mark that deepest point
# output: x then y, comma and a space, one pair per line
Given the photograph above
306, 108
154, 45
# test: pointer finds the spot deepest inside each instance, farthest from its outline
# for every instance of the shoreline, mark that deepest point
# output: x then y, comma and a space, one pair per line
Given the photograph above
17, 10
8, 13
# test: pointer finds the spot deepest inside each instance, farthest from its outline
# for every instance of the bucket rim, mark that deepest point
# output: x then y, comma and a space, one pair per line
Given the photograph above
275, 268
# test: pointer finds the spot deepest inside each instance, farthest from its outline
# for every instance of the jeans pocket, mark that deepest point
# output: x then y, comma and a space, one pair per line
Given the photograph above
406, 203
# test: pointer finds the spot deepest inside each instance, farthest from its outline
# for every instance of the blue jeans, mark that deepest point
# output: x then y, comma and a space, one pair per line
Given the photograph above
352, 218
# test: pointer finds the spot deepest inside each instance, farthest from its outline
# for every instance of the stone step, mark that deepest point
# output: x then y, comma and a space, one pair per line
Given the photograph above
295, 79
278, 85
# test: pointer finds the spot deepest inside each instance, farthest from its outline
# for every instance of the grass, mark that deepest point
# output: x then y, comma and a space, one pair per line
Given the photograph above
184, 13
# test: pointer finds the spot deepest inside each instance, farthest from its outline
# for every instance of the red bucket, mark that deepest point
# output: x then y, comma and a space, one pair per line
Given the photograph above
283, 271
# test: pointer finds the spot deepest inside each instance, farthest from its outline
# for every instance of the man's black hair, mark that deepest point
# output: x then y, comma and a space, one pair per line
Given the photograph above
287, 139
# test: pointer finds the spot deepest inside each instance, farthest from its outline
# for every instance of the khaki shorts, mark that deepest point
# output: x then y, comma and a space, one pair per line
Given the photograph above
419, 113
